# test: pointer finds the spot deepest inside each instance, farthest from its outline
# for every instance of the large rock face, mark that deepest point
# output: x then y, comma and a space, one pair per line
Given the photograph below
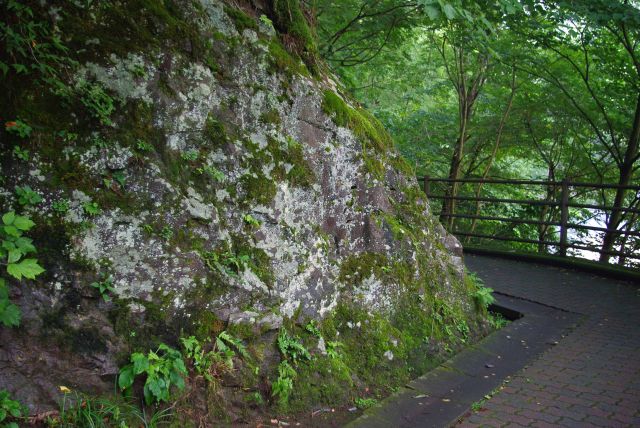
233, 187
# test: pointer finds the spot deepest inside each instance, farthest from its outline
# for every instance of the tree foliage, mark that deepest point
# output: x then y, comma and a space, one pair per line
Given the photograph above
526, 89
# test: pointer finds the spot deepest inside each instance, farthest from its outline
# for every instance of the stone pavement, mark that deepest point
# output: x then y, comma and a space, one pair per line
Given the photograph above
591, 378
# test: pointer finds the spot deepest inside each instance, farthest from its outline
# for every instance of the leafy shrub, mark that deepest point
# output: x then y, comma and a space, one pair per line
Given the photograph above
212, 363
97, 101
483, 297
104, 287
163, 369
291, 348
18, 127
365, 403
20, 153
91, 208
9, 313
15, 246
292, 352
61, 206
27, 196
10, 409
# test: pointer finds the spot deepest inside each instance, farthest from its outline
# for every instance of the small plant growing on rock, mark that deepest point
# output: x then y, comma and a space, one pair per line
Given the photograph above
365, 403
333, 348
282, 387
293, 352
19, 128
15, 246
163, 369
481, 295
212, 171
91, 208
61, 206
190, 155
251, 220
226, 262
104, 287
27, 196
22, 154
218, 359
97, 101
166, 233
143, 146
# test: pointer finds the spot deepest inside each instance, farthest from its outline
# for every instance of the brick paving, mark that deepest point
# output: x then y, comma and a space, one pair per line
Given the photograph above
591, 378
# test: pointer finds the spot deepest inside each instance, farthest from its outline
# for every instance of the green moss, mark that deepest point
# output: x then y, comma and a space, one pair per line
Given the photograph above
356, 268
281, 61
241, 20
290, 20
260, 189
361, 122
215, 131
289, 164
271, 117
300, 174
259, 260
324, 381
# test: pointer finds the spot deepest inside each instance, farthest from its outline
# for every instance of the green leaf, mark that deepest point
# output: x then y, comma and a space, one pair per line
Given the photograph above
25, 245
140, 363
449, 11
156, 386
12, 231
177, 379
3, 414
8, 218
28, 268
179, 366
432, 12
23, 223
126, 376
148, 395
9, 314
9, 245
14, 256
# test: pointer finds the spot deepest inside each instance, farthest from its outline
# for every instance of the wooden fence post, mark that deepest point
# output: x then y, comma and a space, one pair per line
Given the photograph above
426, 186
564, 216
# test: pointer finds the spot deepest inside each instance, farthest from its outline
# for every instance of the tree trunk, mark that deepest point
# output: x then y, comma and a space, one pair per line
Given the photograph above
626, 172
487, 168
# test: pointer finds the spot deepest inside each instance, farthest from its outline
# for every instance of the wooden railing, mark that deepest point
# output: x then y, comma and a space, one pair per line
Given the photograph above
563, 202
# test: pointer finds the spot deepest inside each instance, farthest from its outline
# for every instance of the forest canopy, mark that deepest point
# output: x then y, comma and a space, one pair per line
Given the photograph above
504, 89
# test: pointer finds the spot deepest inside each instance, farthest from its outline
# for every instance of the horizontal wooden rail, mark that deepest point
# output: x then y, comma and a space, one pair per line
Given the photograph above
504, 219
541, 223
546, 243
530, 182
505, 201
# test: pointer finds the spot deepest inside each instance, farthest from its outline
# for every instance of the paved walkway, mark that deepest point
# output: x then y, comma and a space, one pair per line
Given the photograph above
591, 378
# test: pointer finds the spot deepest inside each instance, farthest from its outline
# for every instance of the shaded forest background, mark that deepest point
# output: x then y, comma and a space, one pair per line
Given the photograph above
508, 89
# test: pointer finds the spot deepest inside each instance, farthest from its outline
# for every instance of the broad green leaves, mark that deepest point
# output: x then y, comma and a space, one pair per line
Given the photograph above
9, 313
163, 369
27, 268
10, 408
14, 247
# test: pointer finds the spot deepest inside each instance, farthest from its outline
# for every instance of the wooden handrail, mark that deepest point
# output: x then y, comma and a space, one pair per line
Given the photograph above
563, 203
